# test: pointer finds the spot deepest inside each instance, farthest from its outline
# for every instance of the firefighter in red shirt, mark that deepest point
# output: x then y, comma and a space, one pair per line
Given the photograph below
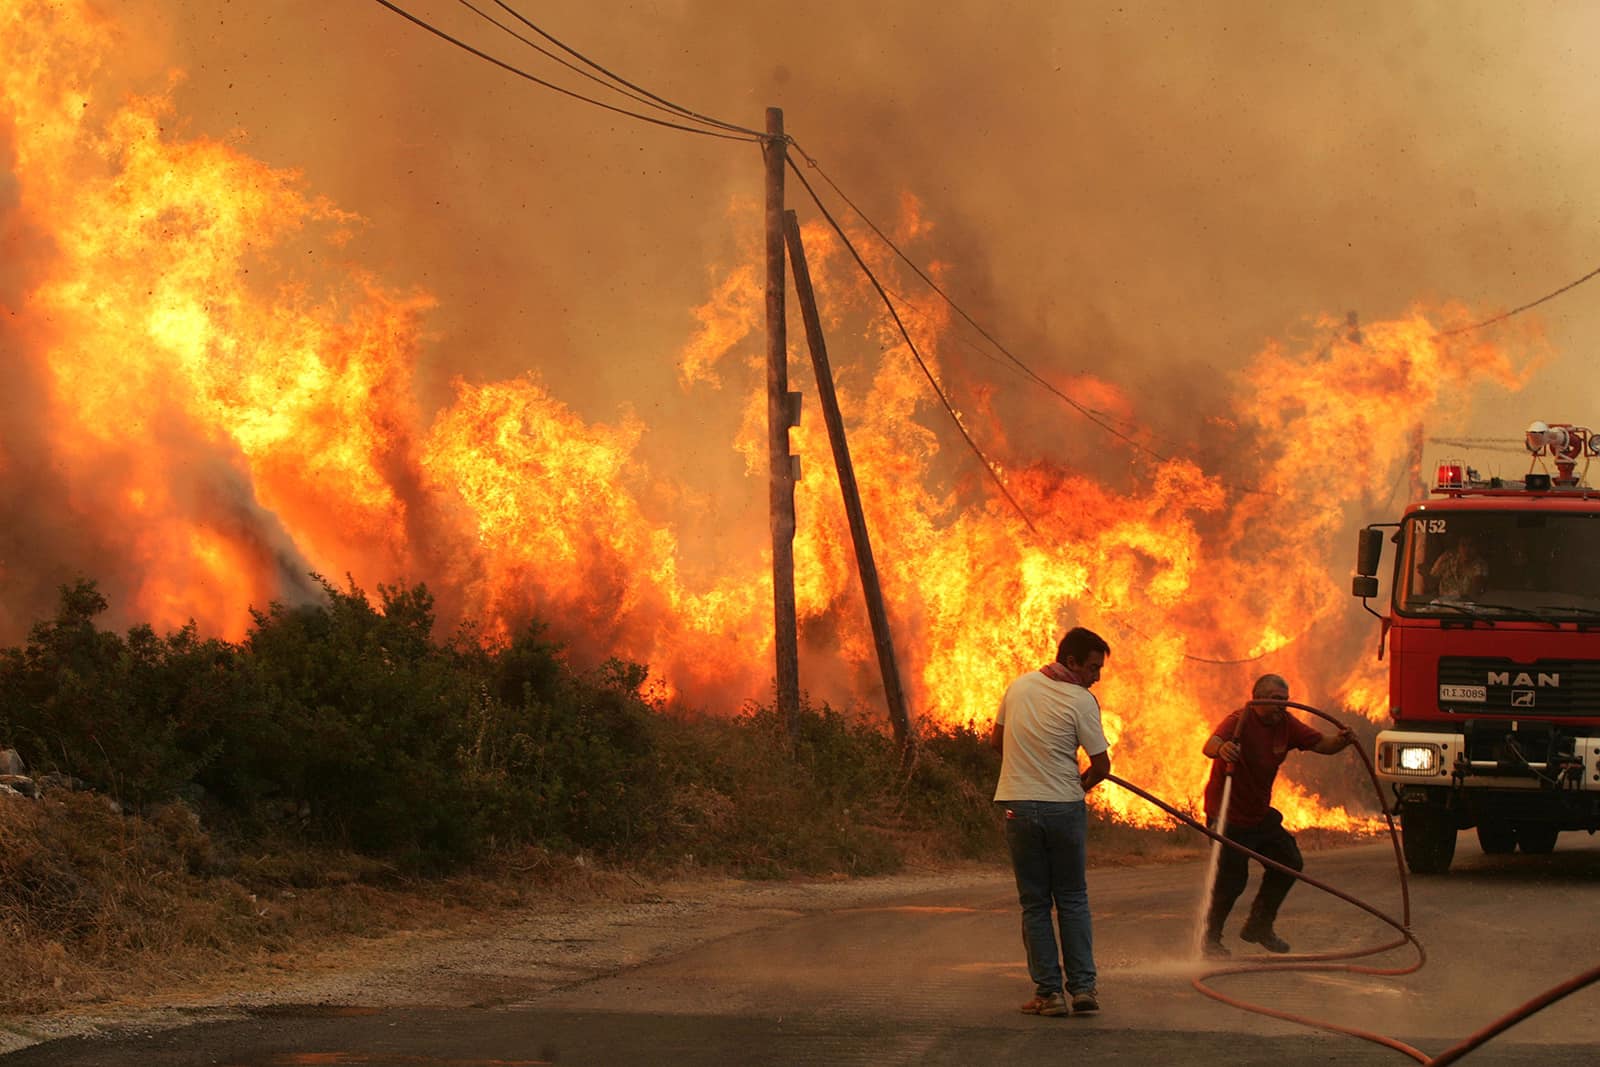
1251, 744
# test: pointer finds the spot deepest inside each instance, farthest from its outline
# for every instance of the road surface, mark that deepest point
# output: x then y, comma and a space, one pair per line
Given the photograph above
936, 978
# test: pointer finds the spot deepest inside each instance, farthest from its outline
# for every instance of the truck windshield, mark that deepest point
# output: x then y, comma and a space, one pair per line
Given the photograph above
1500, 564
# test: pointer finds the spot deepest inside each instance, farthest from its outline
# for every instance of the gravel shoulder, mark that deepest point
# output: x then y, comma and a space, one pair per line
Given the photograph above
615, 923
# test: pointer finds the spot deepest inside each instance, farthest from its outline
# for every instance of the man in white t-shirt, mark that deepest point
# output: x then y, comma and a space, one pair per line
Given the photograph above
1044, 718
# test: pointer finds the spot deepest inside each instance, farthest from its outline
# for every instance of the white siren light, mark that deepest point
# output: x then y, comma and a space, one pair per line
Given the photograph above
1535, 437
1556, 439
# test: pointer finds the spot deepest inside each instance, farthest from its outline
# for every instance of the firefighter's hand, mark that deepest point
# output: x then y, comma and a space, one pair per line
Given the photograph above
1228, 752
1346, 738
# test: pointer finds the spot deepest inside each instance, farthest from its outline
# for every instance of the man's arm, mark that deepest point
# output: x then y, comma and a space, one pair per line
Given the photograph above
997, 739
1099, 768
1221, 744
1332, 743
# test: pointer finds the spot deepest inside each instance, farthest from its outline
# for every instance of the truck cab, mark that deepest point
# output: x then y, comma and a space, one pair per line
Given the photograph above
1492, 631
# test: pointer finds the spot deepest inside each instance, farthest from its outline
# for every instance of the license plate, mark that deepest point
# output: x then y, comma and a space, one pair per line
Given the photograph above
1470, 694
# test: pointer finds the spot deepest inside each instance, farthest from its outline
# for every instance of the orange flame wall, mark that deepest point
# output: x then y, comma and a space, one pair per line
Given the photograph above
208, 403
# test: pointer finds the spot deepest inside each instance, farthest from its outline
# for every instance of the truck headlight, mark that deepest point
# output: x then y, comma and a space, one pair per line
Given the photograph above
1418, 759
1412, 757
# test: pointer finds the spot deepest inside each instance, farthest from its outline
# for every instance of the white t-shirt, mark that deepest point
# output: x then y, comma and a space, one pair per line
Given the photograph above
1046, 722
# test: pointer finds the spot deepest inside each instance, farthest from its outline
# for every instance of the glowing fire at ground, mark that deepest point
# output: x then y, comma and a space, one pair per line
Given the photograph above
224, 420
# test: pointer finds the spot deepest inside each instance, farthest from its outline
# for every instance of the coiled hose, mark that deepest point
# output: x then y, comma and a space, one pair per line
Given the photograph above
1329, 962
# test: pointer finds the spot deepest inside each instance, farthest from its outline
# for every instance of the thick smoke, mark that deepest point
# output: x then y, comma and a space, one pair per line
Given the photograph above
1144, 194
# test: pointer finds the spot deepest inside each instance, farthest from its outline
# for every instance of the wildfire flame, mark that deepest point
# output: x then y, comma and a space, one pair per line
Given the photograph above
221, 415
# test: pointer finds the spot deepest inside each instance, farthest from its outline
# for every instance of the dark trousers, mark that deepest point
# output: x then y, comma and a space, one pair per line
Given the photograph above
1233, 871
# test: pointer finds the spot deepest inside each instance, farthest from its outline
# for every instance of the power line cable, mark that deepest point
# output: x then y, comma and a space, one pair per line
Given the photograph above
1093, 415
1082, 409
1518, 310
662, 101
636, 97
986, 352
944, 400
912, 347
519, 72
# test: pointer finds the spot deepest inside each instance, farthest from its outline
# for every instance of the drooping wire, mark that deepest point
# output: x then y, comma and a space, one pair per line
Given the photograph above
1084, 410
661, 101
553, 57
519, 72
1518, 310
985, 351
1097, 417
905, 334
911, 345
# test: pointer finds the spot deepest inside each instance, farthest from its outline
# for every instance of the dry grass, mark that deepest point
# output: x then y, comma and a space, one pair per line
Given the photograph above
96, 905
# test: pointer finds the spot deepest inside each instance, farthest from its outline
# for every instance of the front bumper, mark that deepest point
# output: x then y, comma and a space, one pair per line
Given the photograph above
1435, 766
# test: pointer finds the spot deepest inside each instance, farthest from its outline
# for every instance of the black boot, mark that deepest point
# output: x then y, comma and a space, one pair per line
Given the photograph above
1258, 930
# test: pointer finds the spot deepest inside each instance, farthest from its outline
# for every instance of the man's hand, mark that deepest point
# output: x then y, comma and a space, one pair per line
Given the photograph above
1099, 767
1229, 752
1336, 742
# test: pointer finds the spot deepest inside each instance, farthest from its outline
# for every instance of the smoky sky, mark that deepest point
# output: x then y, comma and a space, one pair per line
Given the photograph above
1130, 191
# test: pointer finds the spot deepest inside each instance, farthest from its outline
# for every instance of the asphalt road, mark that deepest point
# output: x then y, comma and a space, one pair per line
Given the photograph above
937, 978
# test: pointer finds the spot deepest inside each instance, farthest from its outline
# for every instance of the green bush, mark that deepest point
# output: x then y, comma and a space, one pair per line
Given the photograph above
345, 724
136, 718
357, 721
557, 757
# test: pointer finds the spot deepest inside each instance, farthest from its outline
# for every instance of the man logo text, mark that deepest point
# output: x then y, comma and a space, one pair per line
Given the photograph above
1523, 678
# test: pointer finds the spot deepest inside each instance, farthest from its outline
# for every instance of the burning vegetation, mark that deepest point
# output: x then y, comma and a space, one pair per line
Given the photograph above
209, 403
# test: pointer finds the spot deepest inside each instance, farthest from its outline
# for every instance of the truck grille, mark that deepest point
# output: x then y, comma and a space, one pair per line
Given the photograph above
1546, 687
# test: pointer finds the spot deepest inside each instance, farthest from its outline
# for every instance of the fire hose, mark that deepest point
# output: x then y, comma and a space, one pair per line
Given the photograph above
1328, 962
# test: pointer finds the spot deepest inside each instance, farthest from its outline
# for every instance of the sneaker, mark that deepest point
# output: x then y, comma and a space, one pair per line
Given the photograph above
1213, 949
1085, 1002
1048, 1004
1264, 937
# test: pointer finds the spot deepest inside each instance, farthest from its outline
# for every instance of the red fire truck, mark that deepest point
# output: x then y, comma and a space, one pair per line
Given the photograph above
1493, 637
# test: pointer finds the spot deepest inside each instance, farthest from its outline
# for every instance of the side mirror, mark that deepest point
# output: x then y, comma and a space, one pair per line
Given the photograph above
1364, 586
1369, 550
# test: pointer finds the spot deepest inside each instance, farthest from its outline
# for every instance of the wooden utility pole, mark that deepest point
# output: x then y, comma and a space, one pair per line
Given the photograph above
892, 691
781, 414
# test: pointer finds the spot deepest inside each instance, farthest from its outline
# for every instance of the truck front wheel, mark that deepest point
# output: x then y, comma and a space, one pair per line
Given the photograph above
1496, 837
1428, 838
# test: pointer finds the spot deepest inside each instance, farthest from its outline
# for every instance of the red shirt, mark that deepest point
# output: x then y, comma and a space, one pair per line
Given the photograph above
1262, 751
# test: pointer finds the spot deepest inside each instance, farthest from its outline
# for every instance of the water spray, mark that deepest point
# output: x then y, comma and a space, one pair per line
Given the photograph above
1215, 859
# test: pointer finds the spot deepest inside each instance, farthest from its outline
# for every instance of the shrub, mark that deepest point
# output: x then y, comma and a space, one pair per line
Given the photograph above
345, 725
135, 717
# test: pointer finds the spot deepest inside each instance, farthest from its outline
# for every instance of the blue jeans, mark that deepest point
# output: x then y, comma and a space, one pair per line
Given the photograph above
1048, 840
